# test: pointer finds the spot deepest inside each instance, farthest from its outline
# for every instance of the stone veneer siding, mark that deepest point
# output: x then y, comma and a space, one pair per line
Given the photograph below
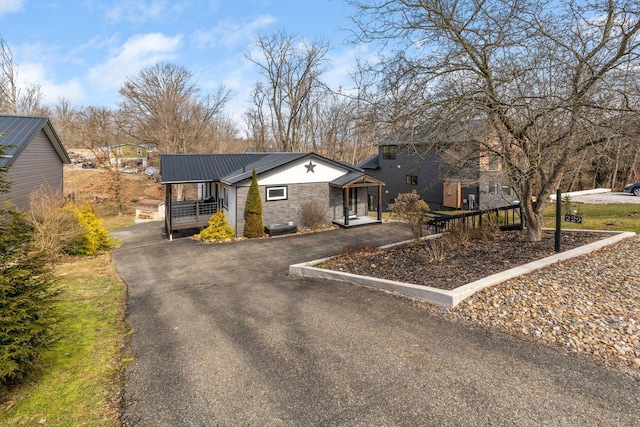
283, 211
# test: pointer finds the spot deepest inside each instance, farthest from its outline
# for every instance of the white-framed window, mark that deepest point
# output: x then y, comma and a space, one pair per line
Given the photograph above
276, 193
225, 197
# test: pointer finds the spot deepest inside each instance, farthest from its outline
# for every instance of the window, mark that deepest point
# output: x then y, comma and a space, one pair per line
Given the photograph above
507, 191
389, 152
493, 188
412, 180
225, 197
276, 193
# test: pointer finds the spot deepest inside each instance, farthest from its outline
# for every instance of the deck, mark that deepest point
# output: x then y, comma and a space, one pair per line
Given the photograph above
356, 221
191, 214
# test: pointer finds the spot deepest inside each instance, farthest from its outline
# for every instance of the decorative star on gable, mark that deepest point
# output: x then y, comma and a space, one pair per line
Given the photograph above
310, 167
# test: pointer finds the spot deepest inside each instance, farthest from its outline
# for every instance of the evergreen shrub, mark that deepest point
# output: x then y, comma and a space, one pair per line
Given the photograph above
253, 226
27, 299
218, 229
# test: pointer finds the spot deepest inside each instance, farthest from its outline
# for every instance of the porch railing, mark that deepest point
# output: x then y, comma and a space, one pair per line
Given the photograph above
192, 212
505, 217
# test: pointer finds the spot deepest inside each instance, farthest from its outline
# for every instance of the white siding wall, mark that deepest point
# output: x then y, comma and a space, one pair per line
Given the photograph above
297, 173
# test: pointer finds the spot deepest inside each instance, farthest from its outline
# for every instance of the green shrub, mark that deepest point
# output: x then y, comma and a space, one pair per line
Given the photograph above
95, 237
218, 229
27, 299
253, 225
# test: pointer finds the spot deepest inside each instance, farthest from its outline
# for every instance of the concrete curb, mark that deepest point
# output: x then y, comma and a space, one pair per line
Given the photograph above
447, 298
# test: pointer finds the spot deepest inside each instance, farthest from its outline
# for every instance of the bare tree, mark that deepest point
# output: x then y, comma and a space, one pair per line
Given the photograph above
292, 71
27, 100
163, 106
166, 108
31, 101
99, 133
64, 117
534, 73
8, 76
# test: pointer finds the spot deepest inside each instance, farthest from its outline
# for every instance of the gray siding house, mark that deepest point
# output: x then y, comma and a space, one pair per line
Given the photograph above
287, 182
405, 167
34, 156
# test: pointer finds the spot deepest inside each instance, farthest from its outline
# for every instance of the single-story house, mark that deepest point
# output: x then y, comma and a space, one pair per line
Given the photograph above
34, 156
287, 181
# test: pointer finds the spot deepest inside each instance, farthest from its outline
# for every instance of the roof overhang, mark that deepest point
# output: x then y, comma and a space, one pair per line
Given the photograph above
363, 180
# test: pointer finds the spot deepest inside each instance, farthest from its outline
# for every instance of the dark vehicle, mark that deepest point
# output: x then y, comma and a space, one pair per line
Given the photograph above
633, 188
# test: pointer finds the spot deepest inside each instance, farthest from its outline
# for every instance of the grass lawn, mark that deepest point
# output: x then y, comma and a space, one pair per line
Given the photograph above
79, 382
623, 217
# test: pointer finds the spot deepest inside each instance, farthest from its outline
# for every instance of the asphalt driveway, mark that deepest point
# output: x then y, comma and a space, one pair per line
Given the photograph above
222, 336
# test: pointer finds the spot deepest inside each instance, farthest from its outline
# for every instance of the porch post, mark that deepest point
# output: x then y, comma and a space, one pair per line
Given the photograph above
345, 204
379, 202
167, 214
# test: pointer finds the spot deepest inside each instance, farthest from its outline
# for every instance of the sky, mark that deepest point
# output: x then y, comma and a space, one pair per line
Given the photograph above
84, 50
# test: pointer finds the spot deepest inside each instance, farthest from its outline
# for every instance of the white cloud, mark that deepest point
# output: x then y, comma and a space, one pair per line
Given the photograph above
141, 11
36, 73
136, 53
10, 6
230, 33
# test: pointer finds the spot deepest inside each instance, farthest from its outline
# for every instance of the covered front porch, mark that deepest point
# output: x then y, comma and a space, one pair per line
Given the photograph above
187, 214
351, 216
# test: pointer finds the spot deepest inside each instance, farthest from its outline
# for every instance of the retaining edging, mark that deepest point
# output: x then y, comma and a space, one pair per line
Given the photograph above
448, 298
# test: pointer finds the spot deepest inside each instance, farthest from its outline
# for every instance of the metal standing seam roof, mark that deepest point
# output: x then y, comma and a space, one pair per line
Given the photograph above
18, 131
372, 162
267, 163
229, 168
185, 168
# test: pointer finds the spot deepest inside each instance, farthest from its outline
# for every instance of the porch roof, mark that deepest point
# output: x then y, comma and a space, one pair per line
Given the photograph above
353, 179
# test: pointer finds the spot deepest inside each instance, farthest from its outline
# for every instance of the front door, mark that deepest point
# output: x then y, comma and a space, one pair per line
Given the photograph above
353, 201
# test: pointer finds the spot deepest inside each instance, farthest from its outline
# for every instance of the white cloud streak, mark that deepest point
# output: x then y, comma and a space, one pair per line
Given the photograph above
10, 6
230, 34
136, 53
141, 12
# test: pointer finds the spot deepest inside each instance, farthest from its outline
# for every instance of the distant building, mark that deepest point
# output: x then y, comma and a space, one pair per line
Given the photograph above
405, 167
34, 155
128, 155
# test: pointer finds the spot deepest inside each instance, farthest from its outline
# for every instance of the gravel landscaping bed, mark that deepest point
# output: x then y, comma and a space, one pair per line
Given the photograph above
452, 261
588, 305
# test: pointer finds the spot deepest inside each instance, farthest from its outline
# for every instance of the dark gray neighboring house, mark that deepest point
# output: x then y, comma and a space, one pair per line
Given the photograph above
34, 155
405, 167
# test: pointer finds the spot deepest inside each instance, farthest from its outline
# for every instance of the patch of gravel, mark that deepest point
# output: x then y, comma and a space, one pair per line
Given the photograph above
588, 304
